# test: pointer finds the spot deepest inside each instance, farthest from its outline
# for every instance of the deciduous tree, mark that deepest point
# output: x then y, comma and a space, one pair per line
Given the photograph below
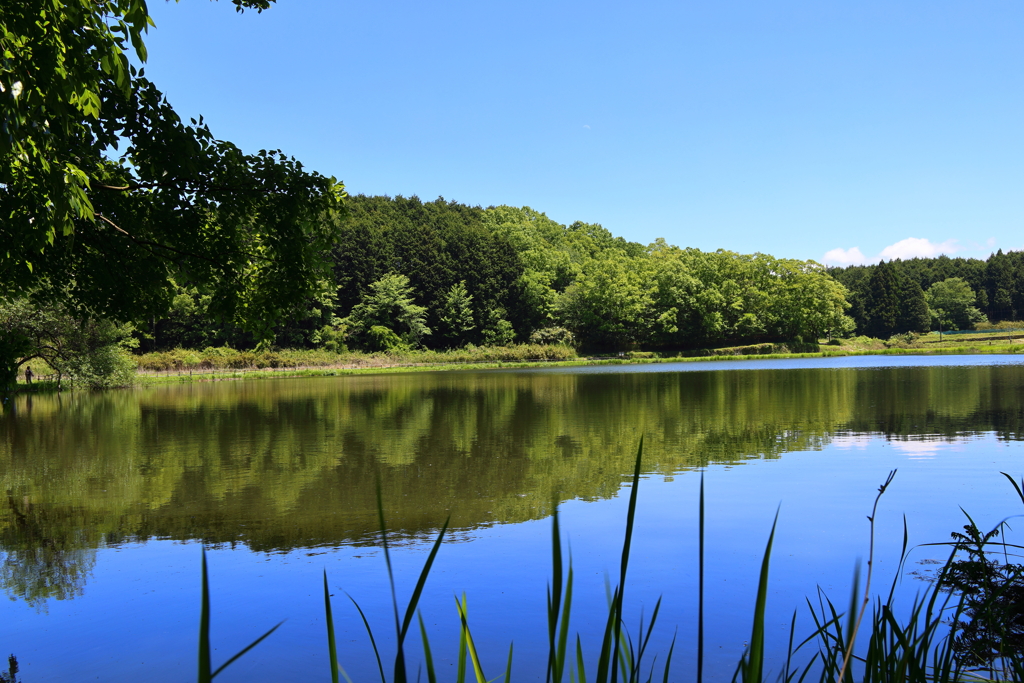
106, 194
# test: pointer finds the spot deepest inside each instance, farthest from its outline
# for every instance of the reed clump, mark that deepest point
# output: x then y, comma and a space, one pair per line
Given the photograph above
967, 626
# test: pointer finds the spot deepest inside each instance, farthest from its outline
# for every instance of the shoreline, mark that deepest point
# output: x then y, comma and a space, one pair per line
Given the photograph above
154, 378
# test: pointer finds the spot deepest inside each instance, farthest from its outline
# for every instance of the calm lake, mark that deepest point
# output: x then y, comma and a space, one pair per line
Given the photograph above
110, 497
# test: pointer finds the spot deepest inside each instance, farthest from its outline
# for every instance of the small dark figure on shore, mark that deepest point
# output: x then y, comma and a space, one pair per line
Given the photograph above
28, 375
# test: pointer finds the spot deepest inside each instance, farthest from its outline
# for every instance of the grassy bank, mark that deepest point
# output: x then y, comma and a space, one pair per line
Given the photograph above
221, 363
316, 363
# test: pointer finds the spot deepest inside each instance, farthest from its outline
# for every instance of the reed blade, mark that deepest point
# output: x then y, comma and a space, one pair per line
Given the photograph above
478, 671
627, 542
399, 675
700, 586
581, 671
422, 580
554, 599
373, 642
428, 656
754, 666
245, 649
1017, 488
668, 659
205, 674
508, 667
563, 634
332, 648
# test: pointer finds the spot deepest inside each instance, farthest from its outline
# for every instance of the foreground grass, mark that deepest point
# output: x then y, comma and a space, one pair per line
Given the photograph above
931, 645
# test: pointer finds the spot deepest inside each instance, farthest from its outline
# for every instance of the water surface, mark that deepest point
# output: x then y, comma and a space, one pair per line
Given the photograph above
110, 496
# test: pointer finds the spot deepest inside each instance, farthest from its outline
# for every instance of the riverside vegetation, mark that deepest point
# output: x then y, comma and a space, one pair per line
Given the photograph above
968, 624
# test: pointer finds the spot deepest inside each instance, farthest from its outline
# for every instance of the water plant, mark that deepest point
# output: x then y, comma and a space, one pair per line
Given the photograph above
968, 624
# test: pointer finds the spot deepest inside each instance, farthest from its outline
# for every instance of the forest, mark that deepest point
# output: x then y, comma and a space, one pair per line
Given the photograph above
403, 274
445, 275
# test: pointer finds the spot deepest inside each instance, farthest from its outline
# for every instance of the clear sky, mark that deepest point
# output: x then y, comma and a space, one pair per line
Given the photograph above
839, 132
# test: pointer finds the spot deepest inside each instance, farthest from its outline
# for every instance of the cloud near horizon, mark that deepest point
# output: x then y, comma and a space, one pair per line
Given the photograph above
911, 247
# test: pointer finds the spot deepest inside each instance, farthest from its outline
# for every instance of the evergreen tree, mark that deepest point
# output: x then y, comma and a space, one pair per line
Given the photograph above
1000, 285
914, 315
882, 301
455, 316
387, 316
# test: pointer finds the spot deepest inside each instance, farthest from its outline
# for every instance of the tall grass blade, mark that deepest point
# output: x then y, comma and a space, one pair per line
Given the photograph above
563, 634
668, 660
205, 673
508, 667
1017, 488
851, 620
478, 671
606, 642
554, 673
700, 586
627, 541
422, 580
753, 669
461, 670
581, 672
402, 627
246, 649
903, 560
399, 676
373, 642
428, 656
332, 647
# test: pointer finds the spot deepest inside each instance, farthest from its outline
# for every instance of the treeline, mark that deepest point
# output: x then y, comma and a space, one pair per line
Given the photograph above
407, 275
920, 294
445, 275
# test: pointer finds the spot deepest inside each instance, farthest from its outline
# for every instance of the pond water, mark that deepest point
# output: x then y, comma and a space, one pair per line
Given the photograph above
110, 497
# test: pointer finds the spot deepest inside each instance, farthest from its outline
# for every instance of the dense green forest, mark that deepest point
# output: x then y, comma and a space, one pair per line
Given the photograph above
443, 275
405, 274
892, 298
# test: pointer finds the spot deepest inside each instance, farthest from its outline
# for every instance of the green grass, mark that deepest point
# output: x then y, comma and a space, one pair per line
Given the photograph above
919, 648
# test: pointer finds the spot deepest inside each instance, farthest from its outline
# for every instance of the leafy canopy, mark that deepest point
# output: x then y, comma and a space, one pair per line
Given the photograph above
105, 193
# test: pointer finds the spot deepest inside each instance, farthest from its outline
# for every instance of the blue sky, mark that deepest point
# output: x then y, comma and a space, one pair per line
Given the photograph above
837, 132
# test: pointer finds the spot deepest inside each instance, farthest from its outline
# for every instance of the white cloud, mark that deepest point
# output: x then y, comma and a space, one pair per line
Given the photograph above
847, 441
918, 450
917, 247
844, 257
912, 247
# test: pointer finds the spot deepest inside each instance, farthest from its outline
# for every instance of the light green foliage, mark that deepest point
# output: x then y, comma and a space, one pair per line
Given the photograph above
499, 331
456, 314
952, 305
388, 306
610, 304
552, 335
705, 298
554, 256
